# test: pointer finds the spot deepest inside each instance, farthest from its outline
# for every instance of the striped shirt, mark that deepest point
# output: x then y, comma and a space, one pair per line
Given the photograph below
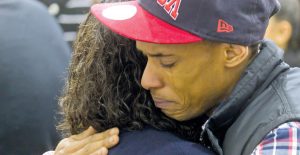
284, 140
69, 14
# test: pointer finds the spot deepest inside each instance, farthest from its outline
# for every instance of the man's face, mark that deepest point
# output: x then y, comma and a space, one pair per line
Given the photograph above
184, 80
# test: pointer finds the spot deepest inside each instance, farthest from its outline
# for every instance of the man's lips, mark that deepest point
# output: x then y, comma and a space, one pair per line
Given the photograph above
162, 103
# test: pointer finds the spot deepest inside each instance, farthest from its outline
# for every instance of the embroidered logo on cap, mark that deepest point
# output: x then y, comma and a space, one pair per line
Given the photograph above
171, 6
224, 26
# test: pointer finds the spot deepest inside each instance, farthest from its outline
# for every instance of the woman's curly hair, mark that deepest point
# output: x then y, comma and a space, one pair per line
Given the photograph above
103, 88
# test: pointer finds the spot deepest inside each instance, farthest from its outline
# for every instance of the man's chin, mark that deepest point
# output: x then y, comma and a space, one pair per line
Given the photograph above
177, 117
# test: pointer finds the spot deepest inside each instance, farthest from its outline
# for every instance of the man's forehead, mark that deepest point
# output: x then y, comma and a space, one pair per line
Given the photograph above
159, 50
177, 50
144, 46
154, 50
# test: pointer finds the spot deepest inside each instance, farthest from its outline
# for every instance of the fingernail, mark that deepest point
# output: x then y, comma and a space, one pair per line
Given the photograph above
91, 128
113, 131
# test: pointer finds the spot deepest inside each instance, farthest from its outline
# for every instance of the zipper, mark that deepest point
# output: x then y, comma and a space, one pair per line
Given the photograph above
204, 127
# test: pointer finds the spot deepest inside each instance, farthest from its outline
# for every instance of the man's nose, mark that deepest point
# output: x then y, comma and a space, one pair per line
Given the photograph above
150, 78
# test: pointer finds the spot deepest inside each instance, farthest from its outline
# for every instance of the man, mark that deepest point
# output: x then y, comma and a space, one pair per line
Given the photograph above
208, 57
33, 59
284, 30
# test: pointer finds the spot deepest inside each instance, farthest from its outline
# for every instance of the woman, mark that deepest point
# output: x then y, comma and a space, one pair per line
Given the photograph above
103, 91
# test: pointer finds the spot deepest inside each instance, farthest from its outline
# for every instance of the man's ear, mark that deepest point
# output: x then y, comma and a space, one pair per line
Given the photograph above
235, 55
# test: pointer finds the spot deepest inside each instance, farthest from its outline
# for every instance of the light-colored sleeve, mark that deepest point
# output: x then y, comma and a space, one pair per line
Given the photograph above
49, 153
284, 140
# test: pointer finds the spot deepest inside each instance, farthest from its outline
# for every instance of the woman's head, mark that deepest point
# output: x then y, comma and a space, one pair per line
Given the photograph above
102, 78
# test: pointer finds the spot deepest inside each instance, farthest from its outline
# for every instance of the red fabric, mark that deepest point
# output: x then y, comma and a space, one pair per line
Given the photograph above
144, 26
283, 140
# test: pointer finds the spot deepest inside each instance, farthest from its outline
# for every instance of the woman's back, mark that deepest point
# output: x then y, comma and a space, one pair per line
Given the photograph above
153, 142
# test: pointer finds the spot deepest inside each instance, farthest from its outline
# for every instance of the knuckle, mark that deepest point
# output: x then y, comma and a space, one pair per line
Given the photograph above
109, 132
86, 149
92, 138
91, 147
66, 140
62, 144
74, 137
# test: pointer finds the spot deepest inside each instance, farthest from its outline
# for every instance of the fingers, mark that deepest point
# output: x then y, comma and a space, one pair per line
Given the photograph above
84, 134
101, 136
102, 151
94, 147
106, 139
88, 142
104, 135
91, 131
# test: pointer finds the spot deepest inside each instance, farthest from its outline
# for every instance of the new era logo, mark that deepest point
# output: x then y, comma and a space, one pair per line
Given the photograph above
224, 26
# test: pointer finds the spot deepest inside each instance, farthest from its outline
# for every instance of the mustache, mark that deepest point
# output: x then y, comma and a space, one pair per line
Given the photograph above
157, 96
160, 98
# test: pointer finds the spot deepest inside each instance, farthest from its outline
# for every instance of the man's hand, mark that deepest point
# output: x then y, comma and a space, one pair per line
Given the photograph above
88, 143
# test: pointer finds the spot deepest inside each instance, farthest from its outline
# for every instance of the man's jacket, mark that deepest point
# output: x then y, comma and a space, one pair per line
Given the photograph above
267, 95
153, 142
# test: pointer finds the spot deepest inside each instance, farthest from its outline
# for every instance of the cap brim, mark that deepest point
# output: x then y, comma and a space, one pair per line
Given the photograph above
130, 20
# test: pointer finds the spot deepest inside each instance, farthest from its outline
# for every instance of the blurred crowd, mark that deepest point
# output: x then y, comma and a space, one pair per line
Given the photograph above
36, 40
69, 14
284, 30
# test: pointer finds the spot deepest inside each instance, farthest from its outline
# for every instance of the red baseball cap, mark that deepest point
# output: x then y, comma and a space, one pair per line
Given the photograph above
130, 20
241, 22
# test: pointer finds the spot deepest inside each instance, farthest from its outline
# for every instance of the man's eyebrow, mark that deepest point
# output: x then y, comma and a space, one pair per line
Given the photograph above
156, 54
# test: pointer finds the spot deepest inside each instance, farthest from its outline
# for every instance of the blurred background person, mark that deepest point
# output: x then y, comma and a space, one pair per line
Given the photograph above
69, 14
33, 62
284, 30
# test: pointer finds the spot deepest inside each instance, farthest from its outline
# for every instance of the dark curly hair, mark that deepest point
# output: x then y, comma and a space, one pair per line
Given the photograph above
103, 89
